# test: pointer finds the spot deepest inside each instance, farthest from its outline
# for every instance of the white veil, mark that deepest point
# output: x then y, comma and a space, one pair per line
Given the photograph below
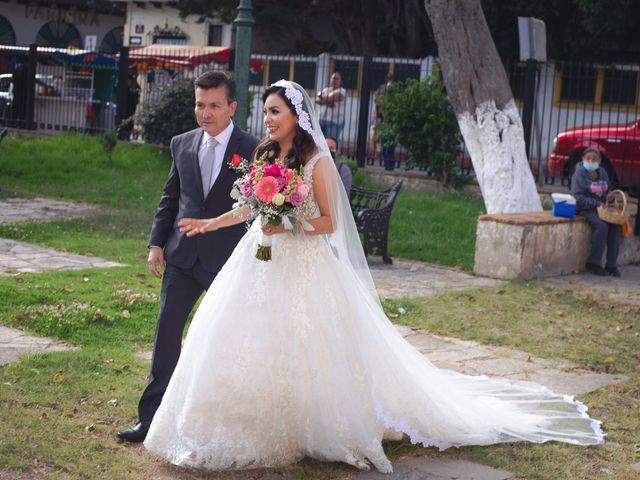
345, 240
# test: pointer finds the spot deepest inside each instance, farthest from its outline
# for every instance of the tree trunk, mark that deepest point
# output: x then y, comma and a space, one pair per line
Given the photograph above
479, 92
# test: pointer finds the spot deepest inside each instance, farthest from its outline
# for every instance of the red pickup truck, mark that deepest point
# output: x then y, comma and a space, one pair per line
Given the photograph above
618, 144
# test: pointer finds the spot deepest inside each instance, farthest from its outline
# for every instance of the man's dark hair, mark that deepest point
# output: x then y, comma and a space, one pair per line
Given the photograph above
214, 80
329, 137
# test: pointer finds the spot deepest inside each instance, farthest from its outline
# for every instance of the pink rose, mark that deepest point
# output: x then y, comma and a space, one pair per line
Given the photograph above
296, 199
303, 189
246, 189
272, 170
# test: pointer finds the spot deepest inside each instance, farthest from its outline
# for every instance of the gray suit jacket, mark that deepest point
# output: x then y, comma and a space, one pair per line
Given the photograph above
183, 197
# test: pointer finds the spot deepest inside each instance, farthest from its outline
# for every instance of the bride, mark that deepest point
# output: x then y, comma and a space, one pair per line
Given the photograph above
295, 357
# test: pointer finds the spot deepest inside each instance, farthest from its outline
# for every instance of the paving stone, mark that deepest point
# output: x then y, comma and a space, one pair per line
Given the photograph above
23, 210
21, 257
409, 278
14, 343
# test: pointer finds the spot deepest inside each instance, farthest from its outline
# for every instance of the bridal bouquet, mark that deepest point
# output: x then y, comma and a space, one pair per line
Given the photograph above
278, 195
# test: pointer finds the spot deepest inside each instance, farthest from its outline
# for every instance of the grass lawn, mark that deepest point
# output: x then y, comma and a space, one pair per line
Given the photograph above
59, 411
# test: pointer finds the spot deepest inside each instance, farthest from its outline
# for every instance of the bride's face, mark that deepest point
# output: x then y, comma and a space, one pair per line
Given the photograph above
279, 119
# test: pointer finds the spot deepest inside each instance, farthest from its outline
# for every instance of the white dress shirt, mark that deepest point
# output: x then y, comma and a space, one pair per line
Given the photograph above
223, 140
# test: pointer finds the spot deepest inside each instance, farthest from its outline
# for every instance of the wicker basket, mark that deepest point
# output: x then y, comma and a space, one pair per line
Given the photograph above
615, 212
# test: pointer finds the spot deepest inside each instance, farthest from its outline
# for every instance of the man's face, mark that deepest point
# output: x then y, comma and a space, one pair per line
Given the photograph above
333, 148
213, 110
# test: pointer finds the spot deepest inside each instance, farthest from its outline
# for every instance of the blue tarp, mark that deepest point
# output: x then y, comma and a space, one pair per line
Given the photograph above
92, 60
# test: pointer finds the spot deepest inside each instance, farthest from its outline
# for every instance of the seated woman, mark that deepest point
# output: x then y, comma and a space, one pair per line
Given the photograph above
591, 186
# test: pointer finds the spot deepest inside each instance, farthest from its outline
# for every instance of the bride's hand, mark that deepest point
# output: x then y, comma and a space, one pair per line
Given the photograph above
269, 229
194, 226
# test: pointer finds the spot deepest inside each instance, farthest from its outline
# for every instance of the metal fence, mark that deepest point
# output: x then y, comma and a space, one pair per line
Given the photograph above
582, 104
57, 90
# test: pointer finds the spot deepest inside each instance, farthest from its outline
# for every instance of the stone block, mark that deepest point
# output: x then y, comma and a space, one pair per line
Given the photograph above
537, 245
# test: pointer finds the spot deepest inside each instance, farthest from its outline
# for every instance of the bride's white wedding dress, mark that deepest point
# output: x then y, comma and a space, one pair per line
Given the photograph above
292, 357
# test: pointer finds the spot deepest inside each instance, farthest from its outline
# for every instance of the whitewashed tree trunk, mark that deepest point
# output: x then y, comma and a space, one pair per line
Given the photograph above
479, 91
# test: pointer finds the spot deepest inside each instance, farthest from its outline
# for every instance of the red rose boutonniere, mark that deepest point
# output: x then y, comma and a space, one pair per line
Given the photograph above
238, 163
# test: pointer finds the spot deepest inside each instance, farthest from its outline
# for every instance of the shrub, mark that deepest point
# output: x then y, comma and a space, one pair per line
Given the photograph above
170, 115
418, 115
108, 140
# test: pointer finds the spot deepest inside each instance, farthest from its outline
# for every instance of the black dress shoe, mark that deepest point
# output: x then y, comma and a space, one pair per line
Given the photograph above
597, 270
613, 271
135, 434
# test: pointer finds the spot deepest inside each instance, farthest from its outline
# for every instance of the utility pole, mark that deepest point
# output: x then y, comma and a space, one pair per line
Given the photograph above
243, 22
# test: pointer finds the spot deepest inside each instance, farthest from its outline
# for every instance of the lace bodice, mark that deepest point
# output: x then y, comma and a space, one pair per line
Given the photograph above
310, 208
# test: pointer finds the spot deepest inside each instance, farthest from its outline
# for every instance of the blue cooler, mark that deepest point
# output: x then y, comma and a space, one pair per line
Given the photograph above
563, 205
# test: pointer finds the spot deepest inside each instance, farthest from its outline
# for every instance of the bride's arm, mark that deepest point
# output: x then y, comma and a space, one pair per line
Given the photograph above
194, 226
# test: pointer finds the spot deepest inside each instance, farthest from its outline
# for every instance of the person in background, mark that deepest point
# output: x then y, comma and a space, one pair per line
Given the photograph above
387, 152
343, 170
332, 101
591, 186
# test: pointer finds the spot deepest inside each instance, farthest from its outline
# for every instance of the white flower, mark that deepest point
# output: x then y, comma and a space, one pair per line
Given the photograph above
296, 98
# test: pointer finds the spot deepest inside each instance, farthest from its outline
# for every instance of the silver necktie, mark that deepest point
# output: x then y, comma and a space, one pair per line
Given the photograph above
206, 168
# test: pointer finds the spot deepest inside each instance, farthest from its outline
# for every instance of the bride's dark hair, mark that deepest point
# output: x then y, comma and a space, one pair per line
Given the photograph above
303, 143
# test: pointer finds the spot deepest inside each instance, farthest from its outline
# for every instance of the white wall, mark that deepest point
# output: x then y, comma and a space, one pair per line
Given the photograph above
26, 20
146, 16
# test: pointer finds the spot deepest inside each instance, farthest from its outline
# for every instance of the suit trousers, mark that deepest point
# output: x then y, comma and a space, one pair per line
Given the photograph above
602, 234
181, 289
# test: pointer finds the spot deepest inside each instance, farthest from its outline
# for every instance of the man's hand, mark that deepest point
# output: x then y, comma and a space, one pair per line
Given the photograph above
610, 197
194, 226
155, 258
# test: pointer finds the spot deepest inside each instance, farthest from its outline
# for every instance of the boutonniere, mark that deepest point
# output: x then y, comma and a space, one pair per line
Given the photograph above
238, 163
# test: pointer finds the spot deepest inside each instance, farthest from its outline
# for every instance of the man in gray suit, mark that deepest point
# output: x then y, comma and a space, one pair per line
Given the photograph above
198, 186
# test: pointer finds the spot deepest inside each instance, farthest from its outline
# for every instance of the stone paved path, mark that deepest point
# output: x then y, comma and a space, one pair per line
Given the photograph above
22, 257
21, 210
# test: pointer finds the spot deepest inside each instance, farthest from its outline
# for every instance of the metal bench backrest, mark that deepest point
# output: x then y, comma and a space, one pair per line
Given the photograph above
362, 198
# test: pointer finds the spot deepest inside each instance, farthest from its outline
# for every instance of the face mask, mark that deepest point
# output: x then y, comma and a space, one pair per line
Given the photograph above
590, 167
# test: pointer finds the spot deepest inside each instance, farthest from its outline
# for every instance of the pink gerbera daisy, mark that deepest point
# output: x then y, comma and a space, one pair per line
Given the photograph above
266, 189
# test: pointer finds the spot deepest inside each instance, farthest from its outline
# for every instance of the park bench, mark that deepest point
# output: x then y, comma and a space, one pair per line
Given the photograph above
372, 212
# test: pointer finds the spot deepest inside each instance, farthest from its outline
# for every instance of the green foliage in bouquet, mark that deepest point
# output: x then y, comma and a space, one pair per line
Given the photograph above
418, 116
171, 114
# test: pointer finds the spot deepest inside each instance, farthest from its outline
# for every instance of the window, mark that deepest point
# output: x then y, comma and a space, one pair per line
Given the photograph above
256, 78
578, 83
304, 73
402, 71
215, 35
169, 41
349, 71
278, 69
7, 34
516, 81
378, 73
619, 86
59, 34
